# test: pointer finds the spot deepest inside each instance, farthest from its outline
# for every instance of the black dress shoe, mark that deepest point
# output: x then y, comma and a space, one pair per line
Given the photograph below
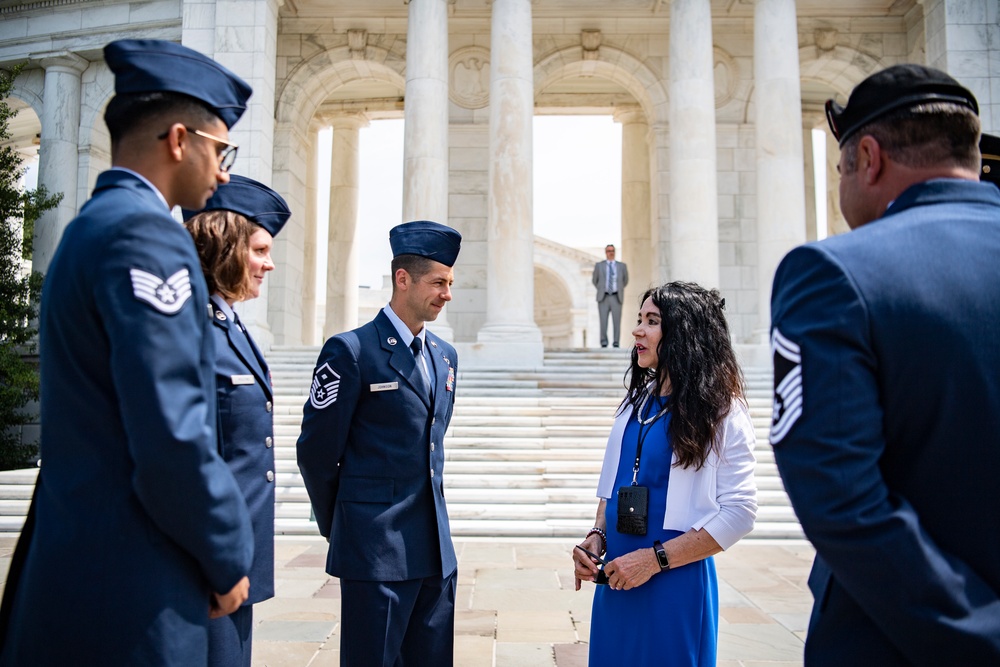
615, 344
604, 344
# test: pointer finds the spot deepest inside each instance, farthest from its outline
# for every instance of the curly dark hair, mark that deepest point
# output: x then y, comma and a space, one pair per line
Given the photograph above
695, 355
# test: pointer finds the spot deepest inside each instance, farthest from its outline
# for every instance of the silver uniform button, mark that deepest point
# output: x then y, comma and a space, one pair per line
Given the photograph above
270, 475
432, 446
269, 442
433, 421
432, 472
269, 406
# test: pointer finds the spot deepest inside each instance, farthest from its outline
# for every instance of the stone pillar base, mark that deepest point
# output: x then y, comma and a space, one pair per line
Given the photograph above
505, 346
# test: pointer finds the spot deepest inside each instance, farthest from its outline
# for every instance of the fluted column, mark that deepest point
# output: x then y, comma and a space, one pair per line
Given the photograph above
425, 133
510, 327
637, 238
311, 241
781, 209
342, 248
58, 151
694, 202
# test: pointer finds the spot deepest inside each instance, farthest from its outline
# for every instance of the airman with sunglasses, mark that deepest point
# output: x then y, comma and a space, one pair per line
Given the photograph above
137, 532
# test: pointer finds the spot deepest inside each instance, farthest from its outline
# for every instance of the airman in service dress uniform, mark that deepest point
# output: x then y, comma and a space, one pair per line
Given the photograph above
371, 457
233, 235
138, 525
887, 385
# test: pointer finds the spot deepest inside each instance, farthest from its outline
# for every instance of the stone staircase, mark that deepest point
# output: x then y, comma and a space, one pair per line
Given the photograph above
523, 453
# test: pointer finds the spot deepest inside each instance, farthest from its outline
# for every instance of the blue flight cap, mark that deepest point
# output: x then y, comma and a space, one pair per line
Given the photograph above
155, 65
427, 239
254, 201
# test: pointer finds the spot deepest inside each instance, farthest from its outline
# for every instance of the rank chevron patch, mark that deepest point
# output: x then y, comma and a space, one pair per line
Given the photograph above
167, 296
787, 385
325, 387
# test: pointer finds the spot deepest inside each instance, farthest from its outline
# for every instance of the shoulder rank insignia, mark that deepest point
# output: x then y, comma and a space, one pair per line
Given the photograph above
325, 386
787, 385
167, 296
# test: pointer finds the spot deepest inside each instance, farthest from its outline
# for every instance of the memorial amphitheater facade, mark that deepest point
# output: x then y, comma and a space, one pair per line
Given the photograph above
717, 100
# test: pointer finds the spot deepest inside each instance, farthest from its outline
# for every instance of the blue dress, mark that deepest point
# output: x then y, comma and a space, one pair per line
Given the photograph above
672, 619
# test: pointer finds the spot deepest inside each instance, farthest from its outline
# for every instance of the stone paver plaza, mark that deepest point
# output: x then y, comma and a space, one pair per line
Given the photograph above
517, 607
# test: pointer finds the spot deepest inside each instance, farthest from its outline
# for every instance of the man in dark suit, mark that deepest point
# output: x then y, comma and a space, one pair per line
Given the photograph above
887, 385
137, 526
610, 278
371, 457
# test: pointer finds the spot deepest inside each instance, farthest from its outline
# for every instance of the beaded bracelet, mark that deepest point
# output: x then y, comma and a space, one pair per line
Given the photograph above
603, 535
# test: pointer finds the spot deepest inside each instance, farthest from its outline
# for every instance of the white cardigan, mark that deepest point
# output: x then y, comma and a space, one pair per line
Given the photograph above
721, 497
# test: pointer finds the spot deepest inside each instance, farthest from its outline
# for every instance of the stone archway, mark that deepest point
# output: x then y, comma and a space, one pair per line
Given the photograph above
553, 310
299, 99
564, 297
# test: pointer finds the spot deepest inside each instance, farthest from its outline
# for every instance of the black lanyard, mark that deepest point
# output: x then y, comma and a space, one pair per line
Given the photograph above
642, 435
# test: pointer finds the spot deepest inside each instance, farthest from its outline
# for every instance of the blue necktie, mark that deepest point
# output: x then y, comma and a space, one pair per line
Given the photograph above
417, 347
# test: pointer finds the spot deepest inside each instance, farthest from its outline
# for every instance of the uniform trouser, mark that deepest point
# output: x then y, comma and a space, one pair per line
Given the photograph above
609, 305
230, 639
398, 623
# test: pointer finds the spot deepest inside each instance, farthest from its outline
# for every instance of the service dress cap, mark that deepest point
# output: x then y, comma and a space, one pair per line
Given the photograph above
251, 199
154, 65
989, 146
894, 88
427, 239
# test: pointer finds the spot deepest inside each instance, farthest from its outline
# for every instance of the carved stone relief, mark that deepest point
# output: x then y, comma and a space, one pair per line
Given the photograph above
469, 68
727, 75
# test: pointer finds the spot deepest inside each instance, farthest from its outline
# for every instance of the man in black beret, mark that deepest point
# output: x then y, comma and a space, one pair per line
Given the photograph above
137, 531
371, 455
886, 424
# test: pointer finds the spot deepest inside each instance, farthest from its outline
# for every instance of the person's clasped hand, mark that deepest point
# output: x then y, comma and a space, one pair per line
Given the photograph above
223, 604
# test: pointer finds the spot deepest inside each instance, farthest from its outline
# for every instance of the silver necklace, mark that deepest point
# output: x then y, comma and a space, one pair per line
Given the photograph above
642, 408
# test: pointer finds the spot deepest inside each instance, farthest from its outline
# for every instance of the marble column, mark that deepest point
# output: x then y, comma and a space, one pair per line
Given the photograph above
835, 222
694, 202
310, 241
242, 35
781, 208
510, 335
637, 241
342, 247
809, 182
659, 140
425, 132
961, 38
58, 151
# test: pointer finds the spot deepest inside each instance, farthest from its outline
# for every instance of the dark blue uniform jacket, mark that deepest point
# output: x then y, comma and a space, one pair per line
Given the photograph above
887, 432
372, 458
246, 438
137, 516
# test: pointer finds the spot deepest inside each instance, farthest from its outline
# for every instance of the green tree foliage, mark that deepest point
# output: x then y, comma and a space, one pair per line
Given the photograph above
19, 293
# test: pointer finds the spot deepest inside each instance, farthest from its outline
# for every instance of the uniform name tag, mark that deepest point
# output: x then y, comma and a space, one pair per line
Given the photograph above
242, 379
385, 386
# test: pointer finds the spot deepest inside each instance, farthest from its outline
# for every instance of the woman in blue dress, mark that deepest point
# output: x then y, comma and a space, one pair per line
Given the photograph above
233, 236
683, 438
